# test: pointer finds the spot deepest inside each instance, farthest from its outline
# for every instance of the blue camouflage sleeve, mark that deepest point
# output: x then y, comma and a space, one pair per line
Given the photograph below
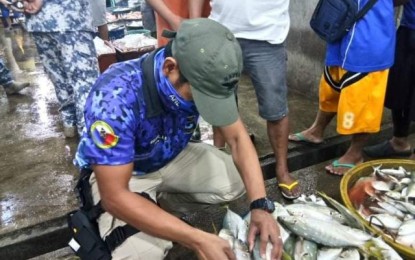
110, 122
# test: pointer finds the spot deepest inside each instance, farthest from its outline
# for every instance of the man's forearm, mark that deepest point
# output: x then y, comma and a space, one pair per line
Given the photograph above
246, 159
196, 8
164, 11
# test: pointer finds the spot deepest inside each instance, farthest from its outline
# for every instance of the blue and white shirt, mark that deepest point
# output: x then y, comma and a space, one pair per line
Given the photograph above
123, 124
370, 44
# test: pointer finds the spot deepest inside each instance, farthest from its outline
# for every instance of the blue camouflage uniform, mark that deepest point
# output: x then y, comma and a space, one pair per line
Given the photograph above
63, 35
129, 122
5, 77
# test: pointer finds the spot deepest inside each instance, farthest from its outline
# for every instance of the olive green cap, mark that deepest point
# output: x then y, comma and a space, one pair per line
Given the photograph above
209, 56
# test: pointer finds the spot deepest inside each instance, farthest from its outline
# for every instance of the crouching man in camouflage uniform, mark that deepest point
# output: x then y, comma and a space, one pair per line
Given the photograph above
63, 33
140, 117
9, 85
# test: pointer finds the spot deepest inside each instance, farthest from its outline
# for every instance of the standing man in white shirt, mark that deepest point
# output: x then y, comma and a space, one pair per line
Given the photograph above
261, 28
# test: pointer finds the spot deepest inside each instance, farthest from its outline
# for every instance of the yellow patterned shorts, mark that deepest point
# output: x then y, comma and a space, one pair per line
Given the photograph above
357, 98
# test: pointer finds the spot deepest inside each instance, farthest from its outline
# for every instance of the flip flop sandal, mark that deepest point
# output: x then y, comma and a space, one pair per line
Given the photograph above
289, 188
300, 138
336, 164
384, 150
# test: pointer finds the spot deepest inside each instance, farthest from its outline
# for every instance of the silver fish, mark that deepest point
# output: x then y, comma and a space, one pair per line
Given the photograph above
408, 240
381, 175
405, 181
393, 203
305, 249
407, 228
236, 225
400, 173
409, 207
315, 211
377, 210
410, 191
350, 254
387, 251
311, 199
239, 248
381, 186
289, 245
280, 210
351, 219
387, 221
329, 253
227, 235
325, 233
396, 195
391, 209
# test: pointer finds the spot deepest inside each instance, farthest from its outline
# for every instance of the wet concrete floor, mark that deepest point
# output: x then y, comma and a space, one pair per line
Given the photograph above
36, 172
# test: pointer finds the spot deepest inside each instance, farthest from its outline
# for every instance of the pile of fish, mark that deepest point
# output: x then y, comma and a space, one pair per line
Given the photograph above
386, 199
311, 230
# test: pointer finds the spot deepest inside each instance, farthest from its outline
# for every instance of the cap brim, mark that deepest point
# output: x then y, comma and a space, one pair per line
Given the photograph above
216, 111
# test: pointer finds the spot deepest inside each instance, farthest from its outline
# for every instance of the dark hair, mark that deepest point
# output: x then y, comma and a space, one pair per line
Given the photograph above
169, 53
167, 49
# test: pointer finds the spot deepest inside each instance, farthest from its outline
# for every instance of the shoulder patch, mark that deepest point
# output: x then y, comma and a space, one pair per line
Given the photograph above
103, 135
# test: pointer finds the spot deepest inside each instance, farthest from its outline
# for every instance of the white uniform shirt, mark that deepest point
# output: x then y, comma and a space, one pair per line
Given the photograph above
263, 20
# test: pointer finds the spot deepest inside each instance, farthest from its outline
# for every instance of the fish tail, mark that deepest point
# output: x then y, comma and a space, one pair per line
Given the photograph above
286, 256
371, 250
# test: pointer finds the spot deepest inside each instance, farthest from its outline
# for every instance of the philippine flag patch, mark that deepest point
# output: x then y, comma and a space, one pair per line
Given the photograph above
103, 135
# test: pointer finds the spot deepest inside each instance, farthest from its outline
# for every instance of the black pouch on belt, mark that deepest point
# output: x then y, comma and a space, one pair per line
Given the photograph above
86, 241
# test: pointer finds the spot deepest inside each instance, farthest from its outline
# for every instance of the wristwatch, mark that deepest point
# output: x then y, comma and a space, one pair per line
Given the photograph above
264, 204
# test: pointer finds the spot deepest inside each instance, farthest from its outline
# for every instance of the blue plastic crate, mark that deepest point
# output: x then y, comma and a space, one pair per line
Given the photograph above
116, 33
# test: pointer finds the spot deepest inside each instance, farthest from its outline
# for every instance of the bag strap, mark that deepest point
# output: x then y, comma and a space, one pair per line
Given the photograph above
93, 212
152, 99
365, 9
119, 235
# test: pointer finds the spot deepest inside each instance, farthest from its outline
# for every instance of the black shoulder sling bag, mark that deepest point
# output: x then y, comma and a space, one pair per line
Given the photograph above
332, 19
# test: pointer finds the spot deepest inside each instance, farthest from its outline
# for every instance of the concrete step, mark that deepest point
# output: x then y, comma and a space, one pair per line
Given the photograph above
65, 253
